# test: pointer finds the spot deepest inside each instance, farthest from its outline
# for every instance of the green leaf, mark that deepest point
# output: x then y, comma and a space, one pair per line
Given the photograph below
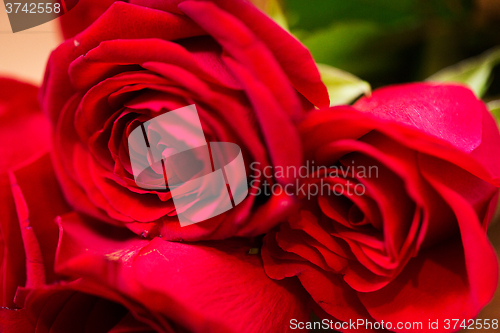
494, 107
359, 47
343, 87
273, 9
316, 14
474, 72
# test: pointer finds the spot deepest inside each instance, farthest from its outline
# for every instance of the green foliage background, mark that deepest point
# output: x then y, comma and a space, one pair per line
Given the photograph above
393, 41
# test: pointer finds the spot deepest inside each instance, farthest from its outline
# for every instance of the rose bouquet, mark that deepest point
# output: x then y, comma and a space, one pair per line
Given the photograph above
303, 212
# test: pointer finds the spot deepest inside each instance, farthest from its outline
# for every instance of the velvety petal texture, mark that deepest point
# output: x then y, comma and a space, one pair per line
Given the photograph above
66, 272
410, 244
24, 138
33, 298
62, 271
81, 16
24, 130
250, 80
206, 287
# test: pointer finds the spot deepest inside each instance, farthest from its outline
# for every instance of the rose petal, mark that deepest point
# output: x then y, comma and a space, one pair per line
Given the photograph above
204, 287
449, 112
450, 280
326, 288
148, 23
299, 65
24, 131
13, 269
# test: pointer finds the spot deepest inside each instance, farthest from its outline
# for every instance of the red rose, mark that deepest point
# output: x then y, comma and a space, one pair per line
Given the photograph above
64, 272
410, 245
24, 137
24, 162
30, 199
108, 279
250, 81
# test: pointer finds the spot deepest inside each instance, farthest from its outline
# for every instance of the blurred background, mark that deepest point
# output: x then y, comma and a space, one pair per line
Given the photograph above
380, 41
394, 41
23, 55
